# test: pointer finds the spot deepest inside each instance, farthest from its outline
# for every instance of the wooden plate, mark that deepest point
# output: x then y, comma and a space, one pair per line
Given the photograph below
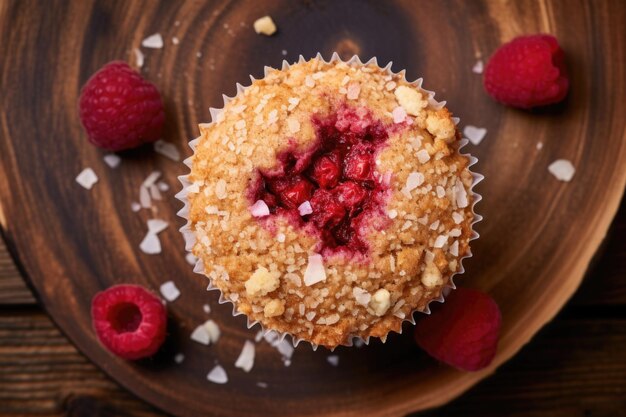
537, 238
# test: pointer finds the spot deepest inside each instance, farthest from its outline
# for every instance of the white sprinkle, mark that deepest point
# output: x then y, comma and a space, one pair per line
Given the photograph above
333, 360
478, 67
261, 384
305, 208
280, 237
399, 114
354, 89
150, 244
220, 189
392, 214
314, 272
155, 193
179, 358
217, 375
169, 291
201, 335
212, 330
112, 160
87, 178
361, 296
245, 360
259, 209
156, 225
175, 40
134, 206
460, 194
139, 58
153, 41
151, 179
169, 150
440, 241
423, 156
539, 145
562, 169
474, 134
454, 248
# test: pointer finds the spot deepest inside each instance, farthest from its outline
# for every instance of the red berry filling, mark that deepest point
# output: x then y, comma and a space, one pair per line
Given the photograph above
129, 320
337, 176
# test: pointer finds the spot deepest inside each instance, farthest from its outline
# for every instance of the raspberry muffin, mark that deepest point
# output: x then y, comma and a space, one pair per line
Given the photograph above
329, 201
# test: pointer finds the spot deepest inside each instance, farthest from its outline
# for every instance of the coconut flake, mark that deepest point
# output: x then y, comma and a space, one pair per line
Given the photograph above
220, 189
441, 192
175, 40
212, 330
153, 41
539, 146
454, 248
139, 58
457, 217
151, 179
217, 375
163, 186
314, 272
285, 348
191, 259
414, 180
259, 209
261, 384
144, 197
562, 169
156, 226
392, 214
474, 134
440, 241
305, 208
361, 296
134, 206
460, 195
280, 237
150, 244
333, 360
179, 358
478, 67
353, 91
245, 360
169, 291
358, 343
155, 193
169, 150
112, 160
398, 114
87, 178
423, 156
201, 335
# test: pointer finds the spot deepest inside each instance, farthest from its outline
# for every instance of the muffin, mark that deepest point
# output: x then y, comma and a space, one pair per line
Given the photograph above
329, 201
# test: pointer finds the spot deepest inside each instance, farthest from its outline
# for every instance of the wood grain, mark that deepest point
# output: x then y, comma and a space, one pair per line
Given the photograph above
537, 240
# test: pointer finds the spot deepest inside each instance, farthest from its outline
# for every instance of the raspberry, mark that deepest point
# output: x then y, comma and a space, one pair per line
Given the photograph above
358, 165
351, 195
129, 320
119, 109
463, 332
527, 72
327, 170
327, 212
292, 191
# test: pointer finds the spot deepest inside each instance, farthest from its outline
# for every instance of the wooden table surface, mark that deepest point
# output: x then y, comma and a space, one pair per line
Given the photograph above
575, 366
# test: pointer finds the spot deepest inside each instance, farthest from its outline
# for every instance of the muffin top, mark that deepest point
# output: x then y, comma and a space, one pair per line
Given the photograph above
329, 200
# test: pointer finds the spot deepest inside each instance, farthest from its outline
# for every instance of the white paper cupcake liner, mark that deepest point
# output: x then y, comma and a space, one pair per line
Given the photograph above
190, 239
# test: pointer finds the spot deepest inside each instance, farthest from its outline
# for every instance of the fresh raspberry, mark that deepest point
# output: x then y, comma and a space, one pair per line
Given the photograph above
129, 320
527, 72
463, 332
119, 109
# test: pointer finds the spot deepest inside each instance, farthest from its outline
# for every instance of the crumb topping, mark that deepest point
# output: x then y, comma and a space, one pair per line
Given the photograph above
269, 266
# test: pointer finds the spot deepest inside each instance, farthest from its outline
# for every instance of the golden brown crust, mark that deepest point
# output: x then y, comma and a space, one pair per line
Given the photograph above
409, 262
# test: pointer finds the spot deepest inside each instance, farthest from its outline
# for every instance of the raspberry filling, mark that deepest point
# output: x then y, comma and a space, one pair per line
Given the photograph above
337, 176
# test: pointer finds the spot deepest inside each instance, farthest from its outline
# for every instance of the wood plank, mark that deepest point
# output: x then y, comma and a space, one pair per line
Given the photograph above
41, 374
13, 289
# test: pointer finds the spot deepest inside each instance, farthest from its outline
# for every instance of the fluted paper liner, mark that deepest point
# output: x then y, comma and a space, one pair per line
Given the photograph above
190, 239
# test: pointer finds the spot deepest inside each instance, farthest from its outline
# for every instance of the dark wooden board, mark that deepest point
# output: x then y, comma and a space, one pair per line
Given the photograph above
538, 237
